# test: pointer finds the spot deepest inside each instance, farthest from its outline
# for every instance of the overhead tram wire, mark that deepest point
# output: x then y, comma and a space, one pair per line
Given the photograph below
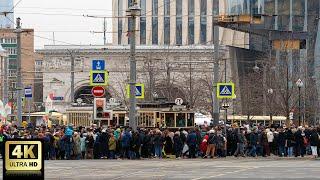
77, 9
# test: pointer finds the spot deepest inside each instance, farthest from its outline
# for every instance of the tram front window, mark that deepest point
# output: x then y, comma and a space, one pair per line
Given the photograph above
121, 119
181, 120
169, 120
190, 120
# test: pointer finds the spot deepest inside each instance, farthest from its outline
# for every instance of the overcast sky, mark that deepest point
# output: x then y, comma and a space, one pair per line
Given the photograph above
32, 14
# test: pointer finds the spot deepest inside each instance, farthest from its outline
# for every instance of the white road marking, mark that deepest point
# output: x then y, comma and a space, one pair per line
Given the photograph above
222, 174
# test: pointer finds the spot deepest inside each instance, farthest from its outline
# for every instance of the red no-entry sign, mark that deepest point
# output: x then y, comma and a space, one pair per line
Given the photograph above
98, 91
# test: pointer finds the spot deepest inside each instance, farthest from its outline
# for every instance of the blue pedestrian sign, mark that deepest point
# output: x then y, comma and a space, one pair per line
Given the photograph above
225, 90
139, 91
98, 78
28, 92
98, 65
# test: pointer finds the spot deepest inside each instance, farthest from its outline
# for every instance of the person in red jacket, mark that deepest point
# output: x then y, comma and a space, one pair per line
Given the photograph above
204, 145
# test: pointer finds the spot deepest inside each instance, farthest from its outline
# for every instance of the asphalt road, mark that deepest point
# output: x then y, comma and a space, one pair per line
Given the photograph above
231, 168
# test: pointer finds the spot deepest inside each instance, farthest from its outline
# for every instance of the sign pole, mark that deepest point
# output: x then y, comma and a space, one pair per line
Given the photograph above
133, 10
29, 110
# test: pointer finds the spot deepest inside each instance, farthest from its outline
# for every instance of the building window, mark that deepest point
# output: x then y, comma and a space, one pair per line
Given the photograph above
12, 73
215, 6
154, 21
11, 50
14, 85
120, 31
38, 63
298, 10
284, 7
129, 23
179, 22
283, 15
256, 7
143, 22
191, 22
166, 22
203, 22
269, 10
269, 6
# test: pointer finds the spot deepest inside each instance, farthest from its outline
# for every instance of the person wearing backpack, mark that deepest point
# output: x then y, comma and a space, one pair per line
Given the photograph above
211, 144
220, 144
125, 143
192, 143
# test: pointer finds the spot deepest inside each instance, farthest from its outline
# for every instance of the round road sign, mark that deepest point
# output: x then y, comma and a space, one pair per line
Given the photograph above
98, 91
179, 101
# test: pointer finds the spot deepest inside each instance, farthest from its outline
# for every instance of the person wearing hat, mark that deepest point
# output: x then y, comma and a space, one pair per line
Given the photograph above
104, 149
211, 144
76, 146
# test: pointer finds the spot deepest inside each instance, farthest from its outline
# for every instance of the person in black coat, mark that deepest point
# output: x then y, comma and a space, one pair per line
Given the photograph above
314, 142
168, 148
281, 142
253, 141
136, 144
104, 144
177, 144
299, 143
290, 142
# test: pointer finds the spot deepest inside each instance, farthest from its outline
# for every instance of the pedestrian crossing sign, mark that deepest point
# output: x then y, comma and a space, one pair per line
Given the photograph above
98, 78
225, 90
139, 91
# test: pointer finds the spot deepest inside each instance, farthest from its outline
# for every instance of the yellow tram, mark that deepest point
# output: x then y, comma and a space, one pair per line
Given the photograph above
148, 115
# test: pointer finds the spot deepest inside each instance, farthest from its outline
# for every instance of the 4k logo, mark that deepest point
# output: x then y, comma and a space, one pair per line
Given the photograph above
26, 152
23, 155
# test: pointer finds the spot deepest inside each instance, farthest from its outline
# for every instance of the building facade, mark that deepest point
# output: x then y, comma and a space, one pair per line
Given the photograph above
188, 22
6, 14
167, 73
296, 16
173, 23
8, 40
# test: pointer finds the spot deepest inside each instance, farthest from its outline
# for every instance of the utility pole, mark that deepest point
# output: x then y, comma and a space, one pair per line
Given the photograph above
133, 12
104, 31
190, 79
215, 108
19, 82
104, 28
72, 76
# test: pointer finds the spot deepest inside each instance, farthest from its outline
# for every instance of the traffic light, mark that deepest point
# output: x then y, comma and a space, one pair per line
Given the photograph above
99, 108
106, 115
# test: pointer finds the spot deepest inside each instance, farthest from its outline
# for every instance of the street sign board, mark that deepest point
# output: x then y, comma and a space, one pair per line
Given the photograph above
139, 91
178, 101
225, 90
28, 92
291, 115
98, 78
98, 91
98, 65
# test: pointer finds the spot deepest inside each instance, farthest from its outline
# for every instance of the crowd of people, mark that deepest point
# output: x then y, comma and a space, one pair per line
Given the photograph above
68, 142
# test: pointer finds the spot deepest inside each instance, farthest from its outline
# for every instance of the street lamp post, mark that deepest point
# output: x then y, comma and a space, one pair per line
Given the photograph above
225, 106
270, 92
299, 83
133, 12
